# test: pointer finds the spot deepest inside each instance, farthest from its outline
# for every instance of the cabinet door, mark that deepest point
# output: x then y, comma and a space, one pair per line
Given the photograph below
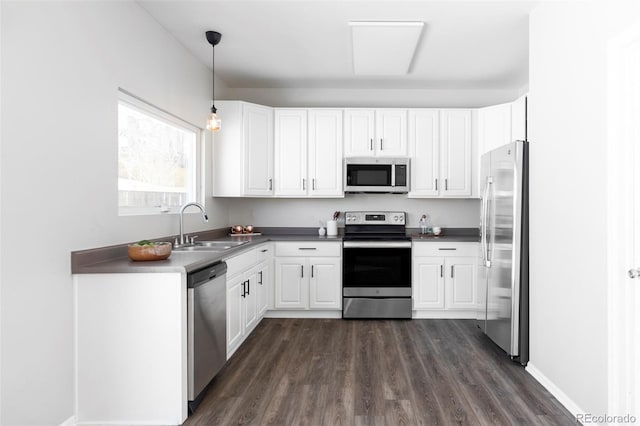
455, 144
424, 146
359, 132
325, 282
251, 301
263, 287
391, 132
258, 140
325, 153
428, 283
235, 314
460, 283
291, 152
291, 283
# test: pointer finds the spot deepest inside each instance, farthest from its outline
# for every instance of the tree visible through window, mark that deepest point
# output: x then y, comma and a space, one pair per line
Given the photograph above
157, 159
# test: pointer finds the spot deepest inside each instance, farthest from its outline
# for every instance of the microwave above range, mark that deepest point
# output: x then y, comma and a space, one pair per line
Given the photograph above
364, 174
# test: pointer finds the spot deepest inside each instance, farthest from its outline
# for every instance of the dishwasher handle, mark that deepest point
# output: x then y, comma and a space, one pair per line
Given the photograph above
206, 274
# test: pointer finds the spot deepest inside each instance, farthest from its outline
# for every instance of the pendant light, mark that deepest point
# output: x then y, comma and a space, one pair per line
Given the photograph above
213, 122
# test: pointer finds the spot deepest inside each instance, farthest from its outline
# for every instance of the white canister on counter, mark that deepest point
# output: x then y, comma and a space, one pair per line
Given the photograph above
332, 228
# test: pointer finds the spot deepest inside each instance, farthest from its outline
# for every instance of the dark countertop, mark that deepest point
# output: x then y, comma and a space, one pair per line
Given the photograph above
114, 259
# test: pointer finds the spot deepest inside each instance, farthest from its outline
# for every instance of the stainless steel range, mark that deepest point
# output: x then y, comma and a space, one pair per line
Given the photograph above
376, 272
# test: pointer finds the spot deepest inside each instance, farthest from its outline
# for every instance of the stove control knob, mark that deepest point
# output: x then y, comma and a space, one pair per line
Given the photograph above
395, 218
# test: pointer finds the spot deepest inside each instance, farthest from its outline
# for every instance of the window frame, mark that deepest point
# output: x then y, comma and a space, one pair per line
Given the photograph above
142, 106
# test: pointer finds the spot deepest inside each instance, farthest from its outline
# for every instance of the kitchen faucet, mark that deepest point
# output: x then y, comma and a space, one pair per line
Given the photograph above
182, 209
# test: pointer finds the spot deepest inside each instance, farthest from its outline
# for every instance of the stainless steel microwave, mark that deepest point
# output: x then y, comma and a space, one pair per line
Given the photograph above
376, 174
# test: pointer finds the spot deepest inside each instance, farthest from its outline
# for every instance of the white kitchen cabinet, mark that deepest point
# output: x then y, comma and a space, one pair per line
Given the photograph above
455, 156
440, 147
243, 151
324, 293
428, 283
494, 126
424, 150
375, 132
460, 283
359, 132
290, 152
308, 275
391, 132
445, 279
325, 153
248, 293
308, 153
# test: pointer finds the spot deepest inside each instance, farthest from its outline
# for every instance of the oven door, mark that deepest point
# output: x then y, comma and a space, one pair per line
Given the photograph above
376, 264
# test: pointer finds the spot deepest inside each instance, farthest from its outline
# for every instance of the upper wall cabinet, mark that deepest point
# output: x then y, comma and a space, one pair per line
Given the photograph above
243, 151
519, 119
308, 152
440, 149
494, 127
375, 132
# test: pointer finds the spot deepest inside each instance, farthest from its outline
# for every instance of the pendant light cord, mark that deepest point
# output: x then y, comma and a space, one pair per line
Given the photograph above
213, 79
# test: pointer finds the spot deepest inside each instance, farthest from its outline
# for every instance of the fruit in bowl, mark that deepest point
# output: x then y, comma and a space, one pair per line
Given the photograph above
148, 250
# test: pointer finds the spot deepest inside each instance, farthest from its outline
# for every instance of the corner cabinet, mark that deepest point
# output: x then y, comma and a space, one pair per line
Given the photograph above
440, 144
308, 275
243, 151
308, 153
444, 280
375, 132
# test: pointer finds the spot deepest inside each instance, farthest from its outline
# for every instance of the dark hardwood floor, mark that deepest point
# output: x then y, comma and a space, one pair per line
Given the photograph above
349, 372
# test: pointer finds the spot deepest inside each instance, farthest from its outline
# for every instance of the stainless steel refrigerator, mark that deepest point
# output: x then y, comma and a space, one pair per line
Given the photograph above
503, 312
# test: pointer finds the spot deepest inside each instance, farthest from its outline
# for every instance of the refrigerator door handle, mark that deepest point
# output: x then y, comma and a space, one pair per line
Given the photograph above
484, 244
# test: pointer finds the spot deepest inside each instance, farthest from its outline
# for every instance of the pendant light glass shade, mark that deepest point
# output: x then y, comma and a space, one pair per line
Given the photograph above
213, 121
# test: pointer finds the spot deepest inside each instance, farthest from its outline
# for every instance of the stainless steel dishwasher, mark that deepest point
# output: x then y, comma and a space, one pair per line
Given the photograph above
206, 327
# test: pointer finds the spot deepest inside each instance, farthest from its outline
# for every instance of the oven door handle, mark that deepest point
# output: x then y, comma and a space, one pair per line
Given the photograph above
377, 244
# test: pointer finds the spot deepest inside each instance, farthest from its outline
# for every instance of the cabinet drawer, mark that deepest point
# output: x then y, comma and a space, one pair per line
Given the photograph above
241, 262
265, 252
445, 249
311, 248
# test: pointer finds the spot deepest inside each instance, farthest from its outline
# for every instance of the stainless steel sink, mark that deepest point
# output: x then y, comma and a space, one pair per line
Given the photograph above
210, 246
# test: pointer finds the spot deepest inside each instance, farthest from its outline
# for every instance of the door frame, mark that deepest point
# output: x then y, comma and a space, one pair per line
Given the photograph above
623, 342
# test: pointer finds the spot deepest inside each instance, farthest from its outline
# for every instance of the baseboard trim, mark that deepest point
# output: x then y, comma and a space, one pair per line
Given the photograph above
71, 421
303, 314
419, 314
562, 397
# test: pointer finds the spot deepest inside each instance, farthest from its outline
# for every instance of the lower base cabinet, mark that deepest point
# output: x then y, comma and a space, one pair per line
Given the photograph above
308, 282
248, 290
444, 278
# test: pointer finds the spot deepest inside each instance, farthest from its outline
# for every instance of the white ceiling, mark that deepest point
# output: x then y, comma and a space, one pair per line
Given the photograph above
307, 44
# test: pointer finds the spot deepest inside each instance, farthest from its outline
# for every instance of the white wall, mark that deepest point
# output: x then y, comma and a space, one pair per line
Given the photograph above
61, 66
567, 130
410, 98
309, 212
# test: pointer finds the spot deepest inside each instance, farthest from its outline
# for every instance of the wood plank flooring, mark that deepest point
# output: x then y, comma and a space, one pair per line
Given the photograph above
350, 372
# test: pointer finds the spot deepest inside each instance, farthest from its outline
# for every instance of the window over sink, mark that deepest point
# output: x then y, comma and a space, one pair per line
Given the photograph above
158, 159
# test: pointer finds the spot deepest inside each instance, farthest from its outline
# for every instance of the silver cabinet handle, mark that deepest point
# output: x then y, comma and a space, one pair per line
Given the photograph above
311, 271
451, 271
381, 149
270, 184
446, 184
307, 248
447, 248
304, 184
301, 271
634, 273
244, 289
441, 271
313, 184
260, 282
436, 184
371, 144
